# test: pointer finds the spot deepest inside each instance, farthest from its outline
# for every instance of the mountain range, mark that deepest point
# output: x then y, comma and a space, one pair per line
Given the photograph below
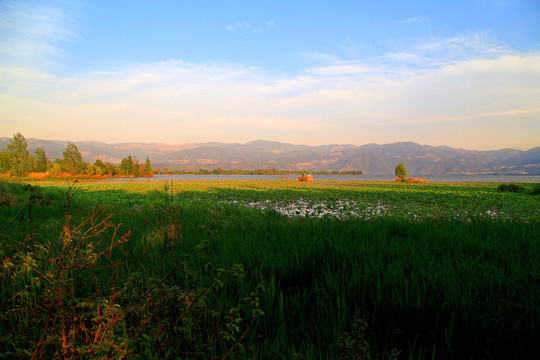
260, 154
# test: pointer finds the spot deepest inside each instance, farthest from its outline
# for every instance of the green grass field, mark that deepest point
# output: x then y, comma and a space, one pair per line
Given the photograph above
269, 270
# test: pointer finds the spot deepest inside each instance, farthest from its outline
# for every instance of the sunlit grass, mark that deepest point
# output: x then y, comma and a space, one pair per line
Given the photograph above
338, 198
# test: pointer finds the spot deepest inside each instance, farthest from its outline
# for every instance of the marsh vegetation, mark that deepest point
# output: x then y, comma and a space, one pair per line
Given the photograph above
269, 270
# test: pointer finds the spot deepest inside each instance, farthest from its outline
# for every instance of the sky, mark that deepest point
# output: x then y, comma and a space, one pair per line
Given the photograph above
459, 73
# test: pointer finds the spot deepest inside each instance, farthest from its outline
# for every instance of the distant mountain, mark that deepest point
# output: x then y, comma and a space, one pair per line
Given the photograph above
370, 158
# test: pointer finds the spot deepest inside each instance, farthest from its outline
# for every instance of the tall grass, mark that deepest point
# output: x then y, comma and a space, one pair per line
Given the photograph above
460, 290
435, 288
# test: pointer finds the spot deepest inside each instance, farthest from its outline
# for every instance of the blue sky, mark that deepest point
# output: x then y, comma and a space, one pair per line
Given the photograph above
458, 73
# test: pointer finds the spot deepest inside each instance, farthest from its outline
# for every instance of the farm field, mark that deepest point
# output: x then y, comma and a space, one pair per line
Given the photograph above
269, 270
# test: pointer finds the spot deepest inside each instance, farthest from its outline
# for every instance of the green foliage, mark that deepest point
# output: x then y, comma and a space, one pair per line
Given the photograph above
110, 169
147, 166
51, 313
509, 188
20, 159
536, 189
40, 160
7, 198
89, 170
72, 160
129, 166
65, 294
99, 163
355, 345
400, 171
444, 267
55, 168
5, 160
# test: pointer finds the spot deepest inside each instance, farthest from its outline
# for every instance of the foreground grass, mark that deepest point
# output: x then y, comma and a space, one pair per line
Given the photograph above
443, 286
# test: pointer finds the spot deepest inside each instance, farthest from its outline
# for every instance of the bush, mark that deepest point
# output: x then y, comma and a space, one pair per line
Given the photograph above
65, 296
8, 191
536, 189
509, 188
7, 198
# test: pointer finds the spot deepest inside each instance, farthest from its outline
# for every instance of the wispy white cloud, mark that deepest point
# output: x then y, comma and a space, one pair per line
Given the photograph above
426, 94
241, 26
247, 27
342, 68
464, 46
30, 31
416, 20
319, 57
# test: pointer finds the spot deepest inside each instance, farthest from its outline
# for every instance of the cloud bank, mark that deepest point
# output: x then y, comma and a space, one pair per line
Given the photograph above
465, 91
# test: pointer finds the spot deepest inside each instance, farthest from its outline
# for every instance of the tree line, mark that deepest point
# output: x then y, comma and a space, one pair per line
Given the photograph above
18, 161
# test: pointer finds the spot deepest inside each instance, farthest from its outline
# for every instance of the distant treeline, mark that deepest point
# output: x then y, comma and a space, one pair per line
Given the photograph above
16, 160
220, 171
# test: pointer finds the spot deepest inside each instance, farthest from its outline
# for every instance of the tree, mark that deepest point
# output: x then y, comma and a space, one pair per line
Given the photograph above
136, 168
73, 160
20, 157
40, 160
126, 165
89, 170
55, 168
110, 169
140, 170
401, 172
130, 166
99, 163
98, 170
5, 160
147, 167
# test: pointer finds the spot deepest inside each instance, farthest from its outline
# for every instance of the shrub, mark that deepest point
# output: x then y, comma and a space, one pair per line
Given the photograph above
7, 198
67, 296
509, 188
536, 189
416, 180
10, 192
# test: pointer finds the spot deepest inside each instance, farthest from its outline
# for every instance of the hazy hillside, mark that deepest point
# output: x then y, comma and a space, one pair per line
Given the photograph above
370, 158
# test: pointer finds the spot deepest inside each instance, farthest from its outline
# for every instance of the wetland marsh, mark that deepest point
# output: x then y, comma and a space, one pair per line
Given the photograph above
330, 270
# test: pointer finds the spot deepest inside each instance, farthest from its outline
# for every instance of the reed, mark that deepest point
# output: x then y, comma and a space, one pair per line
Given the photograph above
439, 286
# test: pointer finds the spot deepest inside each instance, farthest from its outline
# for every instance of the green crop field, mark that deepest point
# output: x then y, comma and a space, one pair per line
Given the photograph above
269, 270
